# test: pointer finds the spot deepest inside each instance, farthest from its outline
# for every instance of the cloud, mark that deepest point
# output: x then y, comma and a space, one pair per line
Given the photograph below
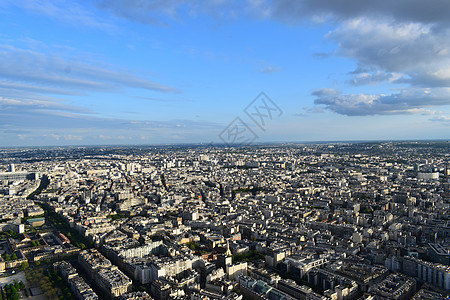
24, 114
35, 68
306, 111
163, 12
441, 118
7, 104
405, 43
407, 101
162, 99
373, 78
70, 137
68, 12
32, 84
322, 54
270, 69
395, 52
401, 42
16, 87
34, 124
325, 92
427, 12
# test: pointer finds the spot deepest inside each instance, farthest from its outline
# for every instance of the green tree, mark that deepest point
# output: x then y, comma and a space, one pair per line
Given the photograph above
13, 289
21, 285
24, 265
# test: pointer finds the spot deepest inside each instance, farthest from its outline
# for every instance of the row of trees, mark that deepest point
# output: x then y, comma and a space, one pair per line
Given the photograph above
8, 257
62, 225
10, 233
45, 181
57, 281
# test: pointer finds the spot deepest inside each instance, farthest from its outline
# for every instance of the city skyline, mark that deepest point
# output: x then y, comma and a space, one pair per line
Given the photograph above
171, 72
317, 221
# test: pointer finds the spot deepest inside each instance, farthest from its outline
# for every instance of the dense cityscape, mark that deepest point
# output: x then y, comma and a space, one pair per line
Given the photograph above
287, 221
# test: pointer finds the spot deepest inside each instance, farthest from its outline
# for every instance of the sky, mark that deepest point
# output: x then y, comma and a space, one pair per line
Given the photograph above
109, 72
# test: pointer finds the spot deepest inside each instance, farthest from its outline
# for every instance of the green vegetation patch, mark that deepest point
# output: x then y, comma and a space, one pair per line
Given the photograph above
117, 216
252, 255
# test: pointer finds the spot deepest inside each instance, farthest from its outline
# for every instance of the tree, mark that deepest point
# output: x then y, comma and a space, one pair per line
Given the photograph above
21, 285
14, 256
24, 265
13, 289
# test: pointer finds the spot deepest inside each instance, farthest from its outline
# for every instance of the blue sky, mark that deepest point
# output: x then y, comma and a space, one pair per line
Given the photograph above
170, 71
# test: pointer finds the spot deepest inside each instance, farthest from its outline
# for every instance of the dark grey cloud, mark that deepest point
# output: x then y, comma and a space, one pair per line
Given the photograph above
159, 11
428, 12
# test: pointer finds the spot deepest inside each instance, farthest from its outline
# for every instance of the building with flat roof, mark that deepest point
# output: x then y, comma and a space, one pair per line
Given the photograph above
438, 253
395, 287
36, 222
19, 176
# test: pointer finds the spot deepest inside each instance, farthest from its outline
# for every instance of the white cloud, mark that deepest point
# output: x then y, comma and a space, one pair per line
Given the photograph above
395, 52
441, 118
407, 101
68, 12
270, 69
26, 67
